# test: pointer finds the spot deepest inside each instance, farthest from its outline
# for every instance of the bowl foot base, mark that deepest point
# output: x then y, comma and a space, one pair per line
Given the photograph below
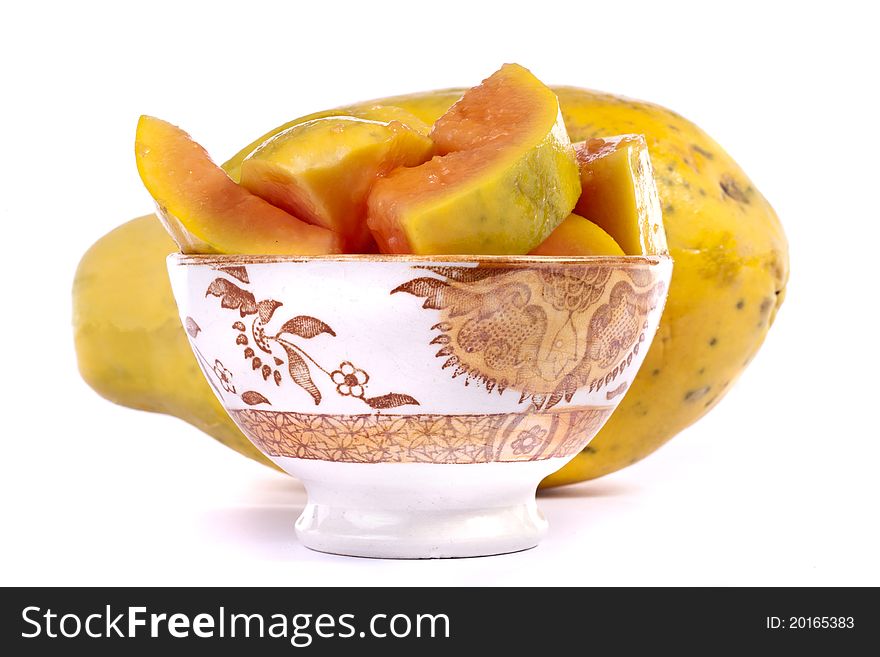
420, 534
422, 511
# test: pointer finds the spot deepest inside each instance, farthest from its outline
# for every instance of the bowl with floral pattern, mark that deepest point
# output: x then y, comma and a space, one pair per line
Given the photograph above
420, 400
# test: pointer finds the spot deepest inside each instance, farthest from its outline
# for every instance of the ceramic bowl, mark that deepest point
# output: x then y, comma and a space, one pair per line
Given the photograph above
420, 400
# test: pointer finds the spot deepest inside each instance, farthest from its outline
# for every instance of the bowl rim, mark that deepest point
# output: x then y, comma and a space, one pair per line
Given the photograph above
212, 259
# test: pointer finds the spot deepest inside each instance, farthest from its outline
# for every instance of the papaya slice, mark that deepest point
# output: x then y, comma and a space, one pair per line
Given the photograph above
619, 194
369, 111
577, 236
505, 175
321, 171
205, 211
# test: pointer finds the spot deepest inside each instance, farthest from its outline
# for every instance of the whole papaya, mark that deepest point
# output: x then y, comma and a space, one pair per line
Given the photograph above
731, 269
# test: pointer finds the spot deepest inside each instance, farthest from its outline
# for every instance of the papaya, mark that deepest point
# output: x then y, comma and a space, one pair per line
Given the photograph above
504, 177
323, 170
127, 333
729, 280
207, 212
577, 236
619, 193
376, 111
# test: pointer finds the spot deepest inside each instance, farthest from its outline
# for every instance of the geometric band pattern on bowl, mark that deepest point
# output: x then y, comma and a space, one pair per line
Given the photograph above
424, 438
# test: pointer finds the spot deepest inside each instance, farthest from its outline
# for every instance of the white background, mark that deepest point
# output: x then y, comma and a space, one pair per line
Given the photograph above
778, 485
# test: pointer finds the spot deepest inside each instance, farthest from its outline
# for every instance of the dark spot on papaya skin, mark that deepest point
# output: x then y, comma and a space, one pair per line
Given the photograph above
589, 449
670, 168
732, 189
710, 402
701, 371
779, 273
673, 127
766, 304
697, 393
702, 192
709, 155
740, 304
669, 209
713, 342
655, 372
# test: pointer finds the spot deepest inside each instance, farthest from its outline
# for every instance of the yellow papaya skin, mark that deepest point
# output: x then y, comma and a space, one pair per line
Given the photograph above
128, 338
728, 282
731, 269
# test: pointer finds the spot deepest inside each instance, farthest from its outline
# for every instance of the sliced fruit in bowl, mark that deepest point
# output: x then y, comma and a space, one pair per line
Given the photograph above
619, 193
618, 212
205, 211
577, 236
505, 175
322, 170
376, 111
